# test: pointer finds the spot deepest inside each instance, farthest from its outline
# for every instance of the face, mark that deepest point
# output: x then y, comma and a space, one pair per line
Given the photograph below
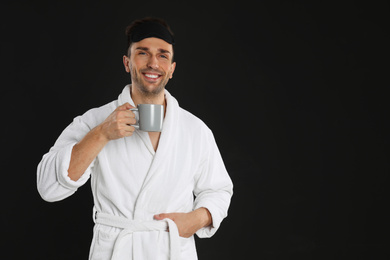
150, 64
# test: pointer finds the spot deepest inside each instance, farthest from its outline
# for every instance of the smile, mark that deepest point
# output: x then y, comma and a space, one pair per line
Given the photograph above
153, 76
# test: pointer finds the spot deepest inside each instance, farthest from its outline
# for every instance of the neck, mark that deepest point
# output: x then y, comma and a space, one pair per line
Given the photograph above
140, 98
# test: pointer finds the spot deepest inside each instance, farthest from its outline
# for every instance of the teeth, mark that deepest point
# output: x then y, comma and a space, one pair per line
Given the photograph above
151, 76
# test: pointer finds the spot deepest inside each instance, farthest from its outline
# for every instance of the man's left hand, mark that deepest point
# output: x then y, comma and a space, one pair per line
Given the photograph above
188, 223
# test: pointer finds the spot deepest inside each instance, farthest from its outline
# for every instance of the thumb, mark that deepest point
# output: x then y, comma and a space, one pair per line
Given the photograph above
125, 106
161, 216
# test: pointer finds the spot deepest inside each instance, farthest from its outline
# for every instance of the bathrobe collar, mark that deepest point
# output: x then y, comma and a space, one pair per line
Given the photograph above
168, 139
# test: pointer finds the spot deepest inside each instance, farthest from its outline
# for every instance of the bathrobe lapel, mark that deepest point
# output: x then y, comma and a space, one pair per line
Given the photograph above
155, 183
124, 97
161, 161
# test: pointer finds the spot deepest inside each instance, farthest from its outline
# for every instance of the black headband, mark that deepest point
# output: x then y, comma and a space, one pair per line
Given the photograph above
151, 29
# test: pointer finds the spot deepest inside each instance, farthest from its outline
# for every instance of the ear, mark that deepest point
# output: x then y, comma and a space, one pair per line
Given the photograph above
126, 63
173, 66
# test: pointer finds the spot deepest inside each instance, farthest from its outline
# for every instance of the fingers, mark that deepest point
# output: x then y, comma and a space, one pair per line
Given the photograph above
119, 123
125, 106
185, 225
125, 125
124, 131
124, 114
163, 216
127, 121
159, 217
172, 216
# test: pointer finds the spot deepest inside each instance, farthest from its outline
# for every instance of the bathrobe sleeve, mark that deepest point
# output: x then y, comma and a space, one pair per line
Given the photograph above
213, 187
52, 173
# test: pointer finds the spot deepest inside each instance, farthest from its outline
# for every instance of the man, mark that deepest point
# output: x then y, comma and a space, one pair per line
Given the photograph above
143, 183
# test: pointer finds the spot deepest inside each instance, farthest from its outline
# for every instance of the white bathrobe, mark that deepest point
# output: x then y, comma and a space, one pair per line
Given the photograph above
131, 183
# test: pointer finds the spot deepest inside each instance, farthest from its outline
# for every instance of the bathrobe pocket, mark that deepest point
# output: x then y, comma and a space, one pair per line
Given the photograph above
102, 244
188, 250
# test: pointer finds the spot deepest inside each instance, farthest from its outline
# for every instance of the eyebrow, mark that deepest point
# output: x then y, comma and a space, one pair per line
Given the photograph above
147, 49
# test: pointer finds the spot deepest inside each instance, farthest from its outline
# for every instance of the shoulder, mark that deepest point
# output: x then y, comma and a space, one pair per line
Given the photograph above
195, 134
187, 122
193, 124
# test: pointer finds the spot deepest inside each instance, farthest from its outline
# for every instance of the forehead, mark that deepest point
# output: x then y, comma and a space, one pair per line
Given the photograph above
153, 44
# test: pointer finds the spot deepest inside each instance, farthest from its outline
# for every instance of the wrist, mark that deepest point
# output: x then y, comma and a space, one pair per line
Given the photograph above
100, 135
205, 218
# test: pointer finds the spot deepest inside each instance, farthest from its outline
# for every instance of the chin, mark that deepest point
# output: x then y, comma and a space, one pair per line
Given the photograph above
150, 89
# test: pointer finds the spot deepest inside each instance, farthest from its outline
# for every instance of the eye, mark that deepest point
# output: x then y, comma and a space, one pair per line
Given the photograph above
141, 53
164, 56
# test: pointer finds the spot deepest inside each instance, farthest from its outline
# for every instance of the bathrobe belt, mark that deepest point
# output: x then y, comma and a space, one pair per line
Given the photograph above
131, 226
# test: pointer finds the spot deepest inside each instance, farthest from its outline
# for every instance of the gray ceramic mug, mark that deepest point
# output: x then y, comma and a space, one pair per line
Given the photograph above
150, 117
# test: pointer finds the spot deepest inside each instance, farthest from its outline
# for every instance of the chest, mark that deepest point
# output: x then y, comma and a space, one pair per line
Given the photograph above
154, 139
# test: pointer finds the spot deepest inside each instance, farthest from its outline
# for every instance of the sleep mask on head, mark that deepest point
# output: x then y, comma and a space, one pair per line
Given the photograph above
151, 29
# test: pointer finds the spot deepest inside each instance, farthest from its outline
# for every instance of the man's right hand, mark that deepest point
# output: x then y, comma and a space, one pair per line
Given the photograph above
118, 123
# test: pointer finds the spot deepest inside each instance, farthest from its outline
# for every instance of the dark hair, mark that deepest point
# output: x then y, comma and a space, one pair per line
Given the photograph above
134, 24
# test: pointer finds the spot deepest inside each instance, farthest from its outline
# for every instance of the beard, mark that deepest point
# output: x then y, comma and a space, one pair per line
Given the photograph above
152, 90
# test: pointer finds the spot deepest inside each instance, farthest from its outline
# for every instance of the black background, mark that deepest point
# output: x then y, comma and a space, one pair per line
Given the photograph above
295, 93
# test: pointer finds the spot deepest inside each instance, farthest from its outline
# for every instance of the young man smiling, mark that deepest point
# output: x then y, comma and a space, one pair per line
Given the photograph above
143, 183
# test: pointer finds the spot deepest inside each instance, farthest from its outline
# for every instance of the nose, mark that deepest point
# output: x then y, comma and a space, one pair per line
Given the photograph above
153, 62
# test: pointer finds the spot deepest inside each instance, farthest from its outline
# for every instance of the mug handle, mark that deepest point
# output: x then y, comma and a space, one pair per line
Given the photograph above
136, 126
